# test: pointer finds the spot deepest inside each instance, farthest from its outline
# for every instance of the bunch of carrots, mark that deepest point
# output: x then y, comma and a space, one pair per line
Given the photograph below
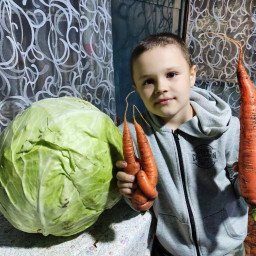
144, 168
247, 146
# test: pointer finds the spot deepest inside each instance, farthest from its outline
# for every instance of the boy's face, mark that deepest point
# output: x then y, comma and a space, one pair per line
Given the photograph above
163, 80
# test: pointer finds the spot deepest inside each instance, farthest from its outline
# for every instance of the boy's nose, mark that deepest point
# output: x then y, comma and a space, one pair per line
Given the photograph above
161, 86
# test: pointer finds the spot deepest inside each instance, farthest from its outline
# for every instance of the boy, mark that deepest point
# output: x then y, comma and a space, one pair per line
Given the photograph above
194, 140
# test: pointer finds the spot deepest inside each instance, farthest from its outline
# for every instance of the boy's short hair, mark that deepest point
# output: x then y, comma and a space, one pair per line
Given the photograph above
161, 39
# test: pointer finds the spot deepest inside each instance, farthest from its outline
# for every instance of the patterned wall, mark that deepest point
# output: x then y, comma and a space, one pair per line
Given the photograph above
55, 48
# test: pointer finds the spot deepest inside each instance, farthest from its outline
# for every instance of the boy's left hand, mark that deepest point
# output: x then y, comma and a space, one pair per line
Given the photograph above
235, 167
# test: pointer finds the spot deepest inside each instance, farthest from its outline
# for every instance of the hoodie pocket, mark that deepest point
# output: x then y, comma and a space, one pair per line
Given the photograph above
227, 223
236, 216
174, 234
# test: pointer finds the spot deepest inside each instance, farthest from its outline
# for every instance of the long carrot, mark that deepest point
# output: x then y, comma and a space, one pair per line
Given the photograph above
133, 164
146, 160
145, 194
247, 146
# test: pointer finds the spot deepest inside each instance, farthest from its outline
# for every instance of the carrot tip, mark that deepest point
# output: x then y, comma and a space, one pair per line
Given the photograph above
126, 100
134, 106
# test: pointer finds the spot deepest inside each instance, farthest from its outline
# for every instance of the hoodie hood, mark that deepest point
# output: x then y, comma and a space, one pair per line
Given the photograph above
212, 115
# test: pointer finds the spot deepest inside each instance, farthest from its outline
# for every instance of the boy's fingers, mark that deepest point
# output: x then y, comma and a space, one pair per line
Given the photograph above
126, 185
125, 182
121, 164
126, 192
235, 167
124, 177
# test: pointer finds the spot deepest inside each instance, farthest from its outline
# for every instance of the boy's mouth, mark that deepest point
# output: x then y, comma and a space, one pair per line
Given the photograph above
164, 101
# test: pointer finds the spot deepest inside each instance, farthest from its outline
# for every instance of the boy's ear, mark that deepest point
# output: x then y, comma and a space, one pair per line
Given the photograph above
192, 75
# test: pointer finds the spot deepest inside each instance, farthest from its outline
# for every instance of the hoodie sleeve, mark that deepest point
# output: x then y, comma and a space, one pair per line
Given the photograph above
232, 152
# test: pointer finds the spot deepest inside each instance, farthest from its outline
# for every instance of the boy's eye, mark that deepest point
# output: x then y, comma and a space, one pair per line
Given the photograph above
171, 74
148, 81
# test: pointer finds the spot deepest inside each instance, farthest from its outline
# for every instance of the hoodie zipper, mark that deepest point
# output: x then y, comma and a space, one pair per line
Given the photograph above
182, 171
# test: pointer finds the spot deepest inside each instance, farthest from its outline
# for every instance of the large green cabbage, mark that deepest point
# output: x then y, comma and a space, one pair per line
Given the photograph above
57, 171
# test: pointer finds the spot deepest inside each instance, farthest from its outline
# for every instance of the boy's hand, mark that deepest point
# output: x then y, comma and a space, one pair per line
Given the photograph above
235, 167
125, 182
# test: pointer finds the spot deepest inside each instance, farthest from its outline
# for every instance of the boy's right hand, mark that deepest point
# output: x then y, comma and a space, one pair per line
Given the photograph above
125, 182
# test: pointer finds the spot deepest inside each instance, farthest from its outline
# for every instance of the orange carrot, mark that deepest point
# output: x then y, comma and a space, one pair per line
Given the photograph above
140, 202
247, 147
146, 157
146, 185
133, 164
144, 196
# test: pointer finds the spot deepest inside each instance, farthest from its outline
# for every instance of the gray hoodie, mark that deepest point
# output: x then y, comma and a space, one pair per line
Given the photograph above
199, 209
